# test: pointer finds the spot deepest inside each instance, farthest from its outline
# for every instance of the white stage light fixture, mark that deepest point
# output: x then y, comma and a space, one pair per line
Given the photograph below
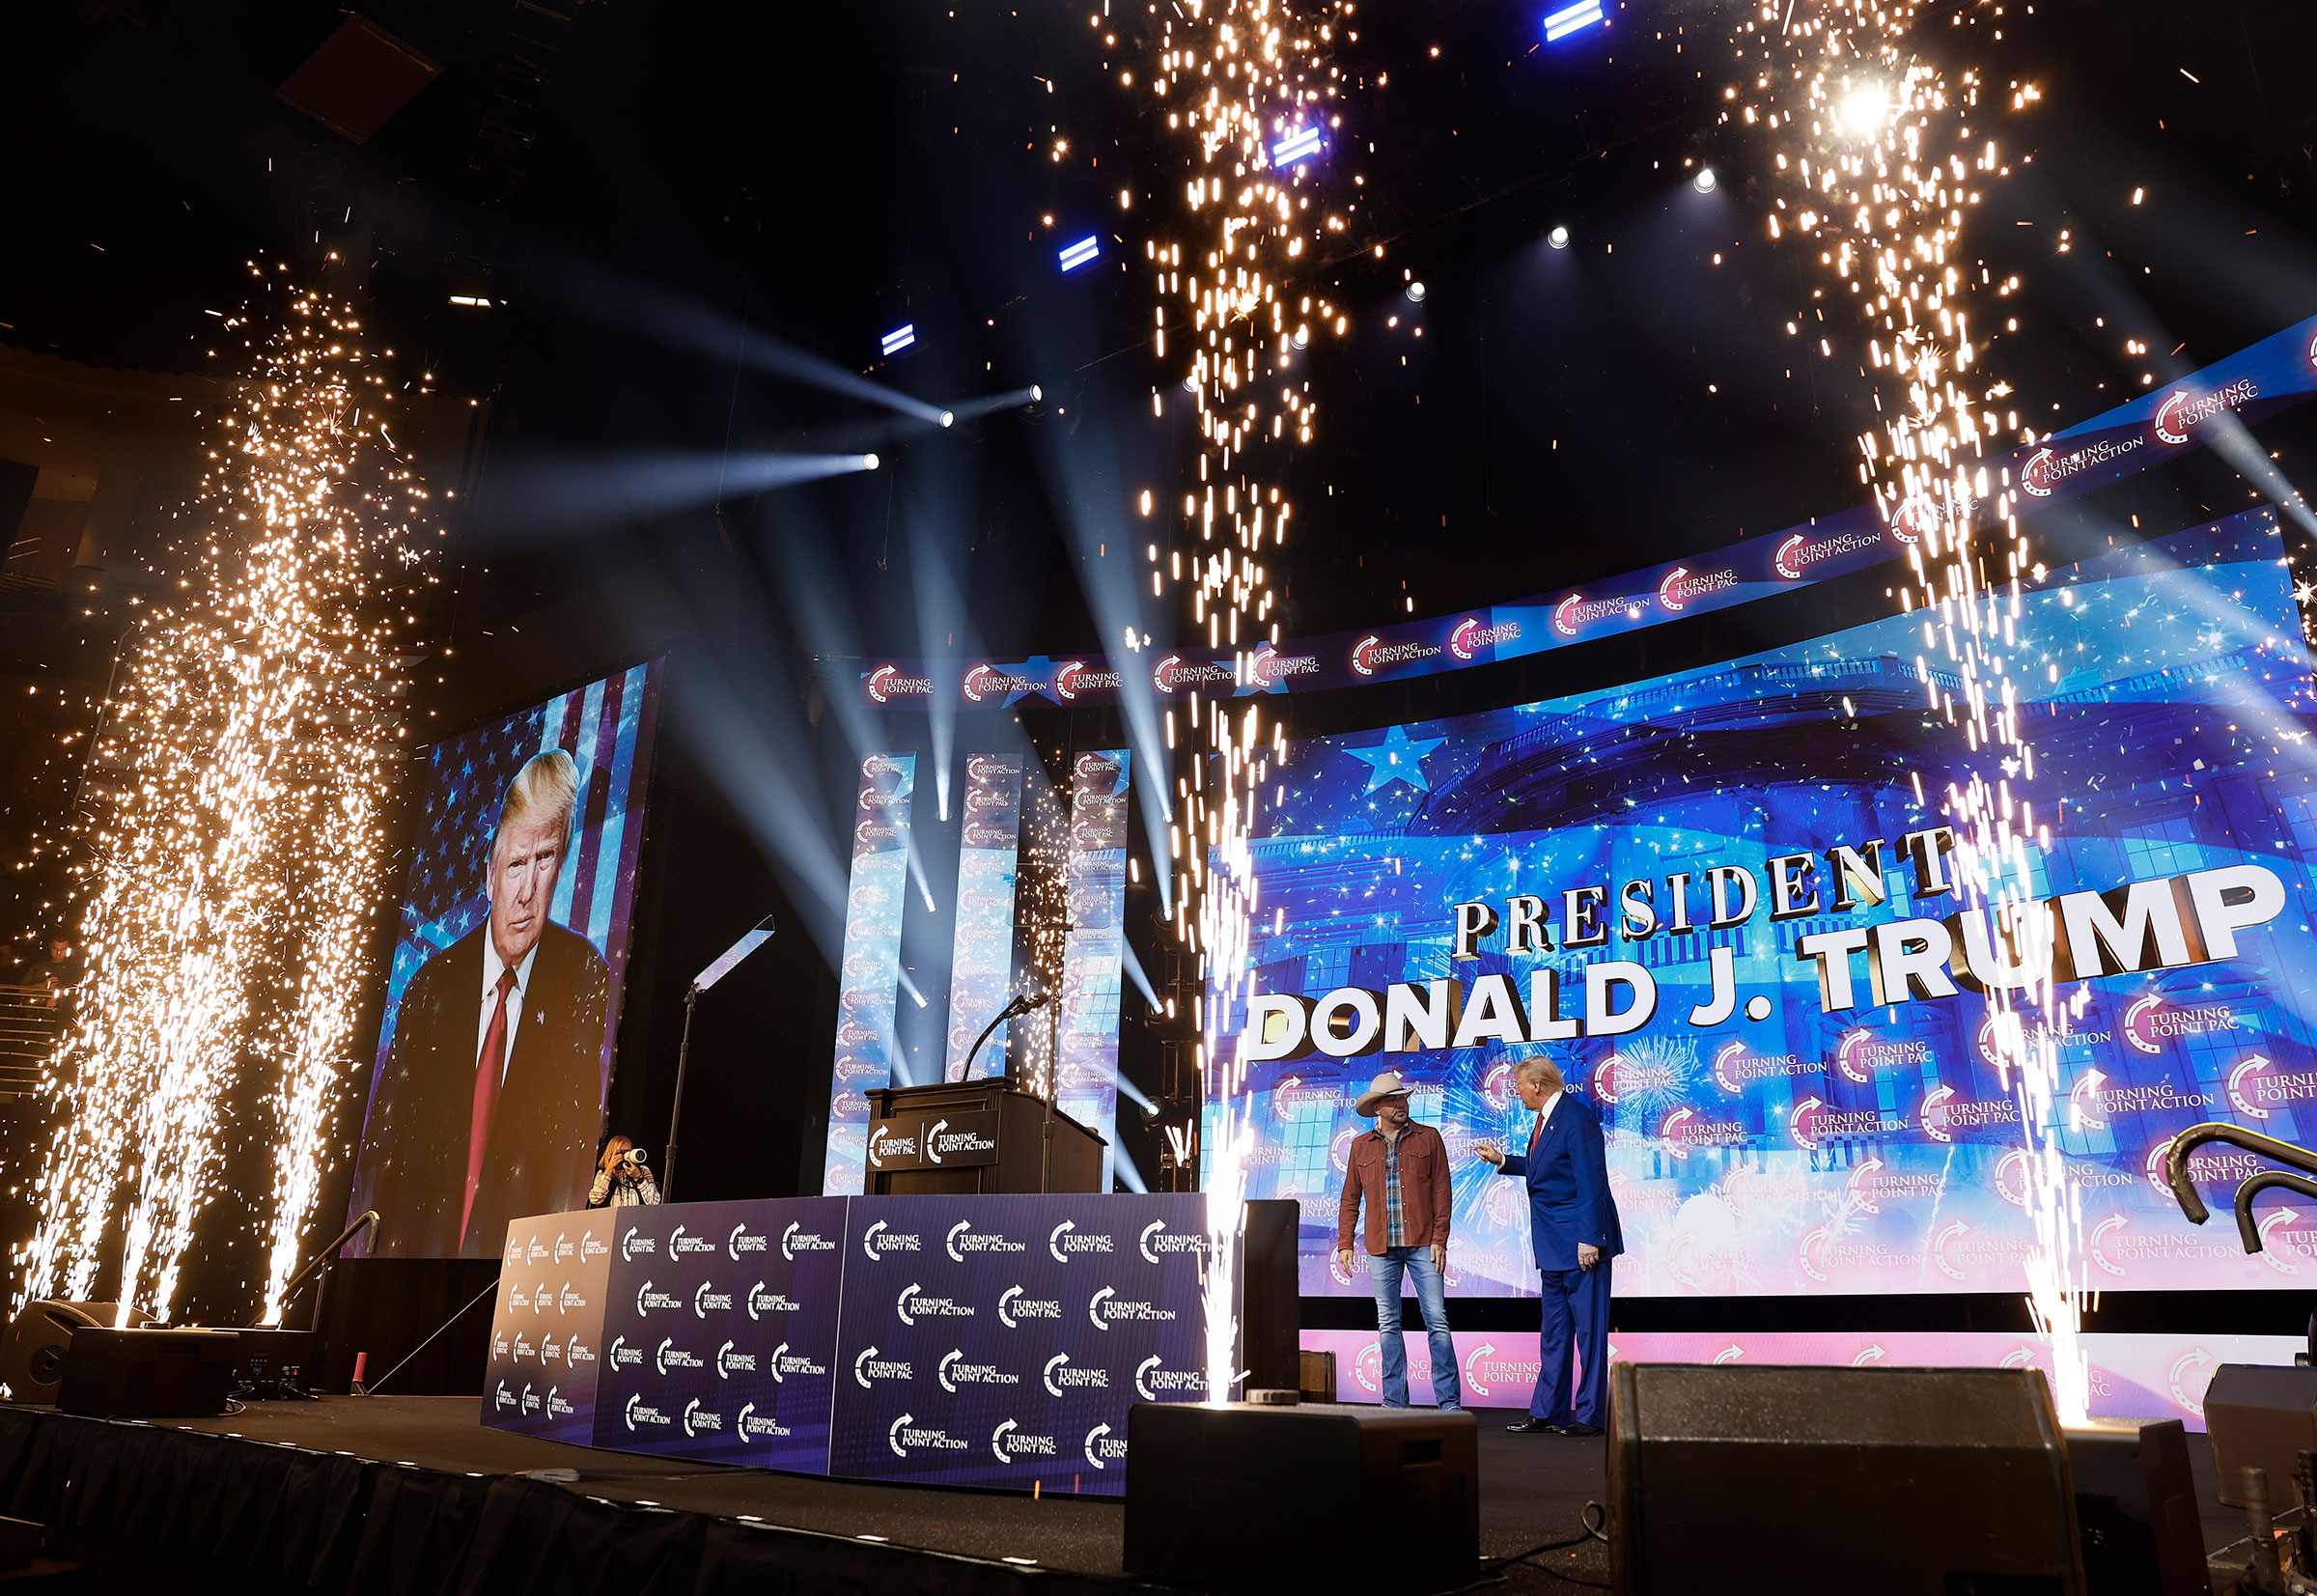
1300, 144
899, 339
949, 418
868, 463
1705, 180
1560, 24
1416, 293
1075, 256
1036, 393
1558, 237
1302, 337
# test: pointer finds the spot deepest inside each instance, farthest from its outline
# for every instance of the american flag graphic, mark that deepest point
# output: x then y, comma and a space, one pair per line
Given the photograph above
607, 729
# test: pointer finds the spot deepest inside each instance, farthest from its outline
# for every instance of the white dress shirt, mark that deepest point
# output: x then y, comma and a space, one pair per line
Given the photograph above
493, 966
1544, 1118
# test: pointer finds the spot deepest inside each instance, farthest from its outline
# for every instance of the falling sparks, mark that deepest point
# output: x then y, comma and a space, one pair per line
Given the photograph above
248, 750
1248, 86
1882, 157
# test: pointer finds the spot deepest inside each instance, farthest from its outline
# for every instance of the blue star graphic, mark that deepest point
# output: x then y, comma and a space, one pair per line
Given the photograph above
1397, 757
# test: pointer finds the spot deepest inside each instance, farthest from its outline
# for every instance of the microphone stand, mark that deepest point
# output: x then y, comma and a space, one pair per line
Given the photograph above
1021, 1004
750, 940
315, 1264
684, 1055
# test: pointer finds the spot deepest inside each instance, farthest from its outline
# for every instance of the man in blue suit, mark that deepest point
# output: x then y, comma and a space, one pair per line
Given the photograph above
1572, 1229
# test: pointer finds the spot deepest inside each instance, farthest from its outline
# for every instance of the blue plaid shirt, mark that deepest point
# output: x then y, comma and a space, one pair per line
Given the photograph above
1395, 1217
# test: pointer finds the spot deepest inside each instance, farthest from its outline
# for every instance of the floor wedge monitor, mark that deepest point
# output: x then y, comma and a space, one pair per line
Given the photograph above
1907, 1482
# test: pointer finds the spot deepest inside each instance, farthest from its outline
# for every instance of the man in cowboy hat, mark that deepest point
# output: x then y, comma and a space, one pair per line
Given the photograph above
1402, 1169
1573, 1231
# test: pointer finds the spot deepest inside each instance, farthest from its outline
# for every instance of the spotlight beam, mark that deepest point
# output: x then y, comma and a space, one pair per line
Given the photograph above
970, 409
771, 355
716, 337
554, 490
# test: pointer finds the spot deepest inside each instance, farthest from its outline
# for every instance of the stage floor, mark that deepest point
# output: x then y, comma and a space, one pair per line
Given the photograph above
1533, 1489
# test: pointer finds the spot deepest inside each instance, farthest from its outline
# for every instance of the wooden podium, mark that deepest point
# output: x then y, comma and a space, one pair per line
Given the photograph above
977, 1137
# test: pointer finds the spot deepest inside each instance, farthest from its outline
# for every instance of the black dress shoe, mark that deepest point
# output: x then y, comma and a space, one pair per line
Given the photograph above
1574, 1429
1528, 1427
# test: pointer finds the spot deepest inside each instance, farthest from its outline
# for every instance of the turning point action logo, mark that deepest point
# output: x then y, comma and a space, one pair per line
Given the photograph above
1372, 653
1572, 614
1794, 557
1469, 636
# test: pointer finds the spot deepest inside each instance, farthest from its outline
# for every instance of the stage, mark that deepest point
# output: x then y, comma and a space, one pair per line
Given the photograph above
413, 1494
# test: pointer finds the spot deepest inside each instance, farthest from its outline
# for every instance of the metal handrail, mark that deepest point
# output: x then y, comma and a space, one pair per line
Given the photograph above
2184, 1190
2268, 1179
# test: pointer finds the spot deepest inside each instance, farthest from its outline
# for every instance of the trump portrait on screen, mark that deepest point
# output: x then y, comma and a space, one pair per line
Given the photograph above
493, 1090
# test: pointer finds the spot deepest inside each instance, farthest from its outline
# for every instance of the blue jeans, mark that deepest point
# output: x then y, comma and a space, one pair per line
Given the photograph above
1384, 1274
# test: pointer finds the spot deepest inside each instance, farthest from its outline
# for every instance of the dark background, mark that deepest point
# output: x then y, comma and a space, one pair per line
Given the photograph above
632, 185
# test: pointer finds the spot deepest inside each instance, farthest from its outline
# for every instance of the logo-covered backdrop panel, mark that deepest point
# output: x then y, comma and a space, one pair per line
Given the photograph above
547, 1332
999, 1341
994, 1342
720, 1331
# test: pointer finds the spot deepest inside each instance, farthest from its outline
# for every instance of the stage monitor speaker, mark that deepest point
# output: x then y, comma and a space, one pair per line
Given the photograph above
1906, 1482
2258, 1416
32, 1349
2136, 1508
149, 1373
273, 1364
1312, 1497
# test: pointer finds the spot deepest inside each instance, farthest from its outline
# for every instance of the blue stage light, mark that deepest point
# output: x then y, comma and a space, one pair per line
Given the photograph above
899, 339
1076, 255
1302, 143
1560, 24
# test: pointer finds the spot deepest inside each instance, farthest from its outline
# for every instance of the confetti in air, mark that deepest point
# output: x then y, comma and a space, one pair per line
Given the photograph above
239, 781
1252, 101
1882, 157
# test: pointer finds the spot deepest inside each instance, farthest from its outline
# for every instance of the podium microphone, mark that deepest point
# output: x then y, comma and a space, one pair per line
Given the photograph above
1018, 1003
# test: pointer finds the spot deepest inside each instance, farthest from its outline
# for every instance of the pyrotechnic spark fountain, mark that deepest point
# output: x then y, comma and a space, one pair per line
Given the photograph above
250, 741
1886, 154
1240, 81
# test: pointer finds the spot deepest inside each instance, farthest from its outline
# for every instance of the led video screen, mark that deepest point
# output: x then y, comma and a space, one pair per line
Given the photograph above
502, 997
1721, 901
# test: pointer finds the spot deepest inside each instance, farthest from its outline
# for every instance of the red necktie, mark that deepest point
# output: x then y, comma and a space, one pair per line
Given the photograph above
488, 1070
1534, 1134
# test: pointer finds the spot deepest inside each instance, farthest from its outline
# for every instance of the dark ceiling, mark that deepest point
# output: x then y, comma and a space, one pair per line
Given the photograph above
820, 174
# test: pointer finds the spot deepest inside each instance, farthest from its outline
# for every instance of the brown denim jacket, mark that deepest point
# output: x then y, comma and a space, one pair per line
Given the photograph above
1424, 1189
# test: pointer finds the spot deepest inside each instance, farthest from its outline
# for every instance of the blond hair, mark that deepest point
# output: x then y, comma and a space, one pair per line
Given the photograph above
546, 788
1544, 1067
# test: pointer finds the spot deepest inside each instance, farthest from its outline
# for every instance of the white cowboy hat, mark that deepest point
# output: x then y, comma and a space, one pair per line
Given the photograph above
1386, 1084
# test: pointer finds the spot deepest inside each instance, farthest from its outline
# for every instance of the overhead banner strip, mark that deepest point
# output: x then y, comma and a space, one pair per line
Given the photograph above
2254, 383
